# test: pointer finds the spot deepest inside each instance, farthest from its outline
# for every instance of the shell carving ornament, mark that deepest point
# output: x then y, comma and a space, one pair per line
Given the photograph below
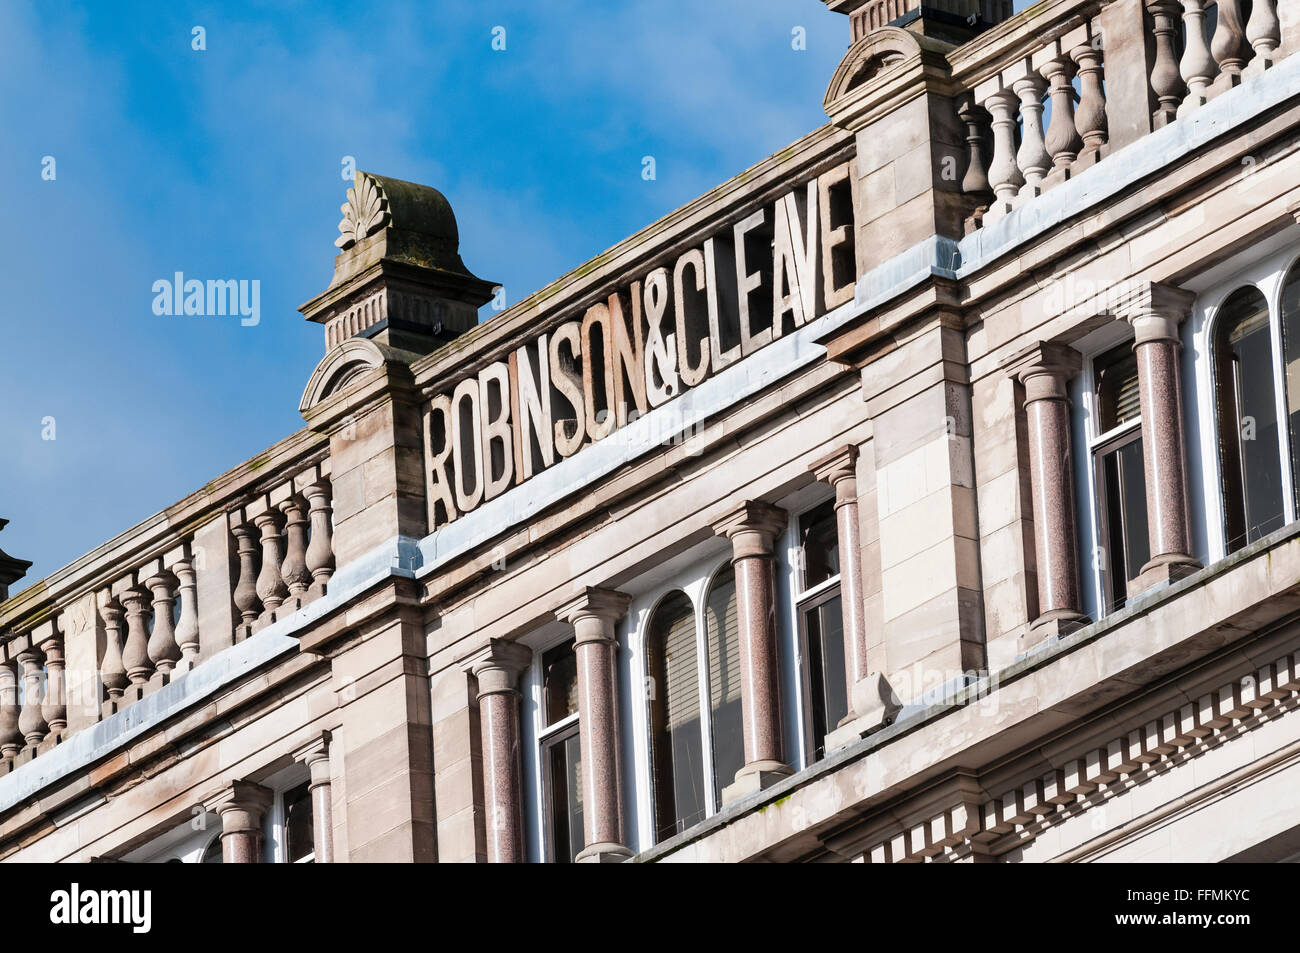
364, 213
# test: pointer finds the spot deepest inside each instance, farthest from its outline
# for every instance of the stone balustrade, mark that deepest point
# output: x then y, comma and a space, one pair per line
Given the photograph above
146, 608
284, 543
1054, 90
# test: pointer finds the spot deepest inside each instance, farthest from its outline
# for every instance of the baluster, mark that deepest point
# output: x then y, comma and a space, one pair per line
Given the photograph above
1063, 141
187, 628
1264, 31
270, 584
976, 180
1197, 68
111, 671
11, 739
295, 572
320, 550
246, 589
163, 650
1229, 48
1090, 116
55, 709
1004, 173
1032, 155
135, 652
31, 722
1166, 80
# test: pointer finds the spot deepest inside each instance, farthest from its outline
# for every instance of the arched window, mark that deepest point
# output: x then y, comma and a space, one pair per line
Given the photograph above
1246, 418
1291, 357
212, 855
722, 633
675, 738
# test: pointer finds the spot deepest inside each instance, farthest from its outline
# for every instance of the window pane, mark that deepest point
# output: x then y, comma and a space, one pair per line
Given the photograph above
298, 823
1123, 517
560, 682
675, 717
212, 854
1117, 387
722, 629
820, 539
1247, 420
827, 688
1291, 355
564, 767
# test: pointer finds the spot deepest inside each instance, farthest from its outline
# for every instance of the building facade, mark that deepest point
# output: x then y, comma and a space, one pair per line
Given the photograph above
926, 492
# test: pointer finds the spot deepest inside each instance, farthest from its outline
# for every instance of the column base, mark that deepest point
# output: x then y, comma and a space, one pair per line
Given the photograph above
874, 706
1162, 571
753, 778
1051, 626
603, 853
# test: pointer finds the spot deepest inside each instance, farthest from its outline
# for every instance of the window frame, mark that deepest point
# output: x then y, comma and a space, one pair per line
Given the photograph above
1266, 272
802, 601
695, 580
1096, 443
541, 737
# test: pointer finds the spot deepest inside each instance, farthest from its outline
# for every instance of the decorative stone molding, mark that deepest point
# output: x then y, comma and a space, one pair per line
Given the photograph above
364, 213
399, 278
967, 820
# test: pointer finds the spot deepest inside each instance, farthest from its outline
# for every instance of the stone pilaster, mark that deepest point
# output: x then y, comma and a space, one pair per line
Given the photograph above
496, 670
839, 469
1044, 371
316, 756
1155, 312
752, 528
592, 615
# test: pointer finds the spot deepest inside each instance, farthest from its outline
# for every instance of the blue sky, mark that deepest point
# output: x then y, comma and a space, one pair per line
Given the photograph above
226, 164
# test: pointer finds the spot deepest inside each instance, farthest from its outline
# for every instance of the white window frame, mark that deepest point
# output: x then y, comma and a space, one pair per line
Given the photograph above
1092, 347
1266, 273
537, 735
694, 581
798, 507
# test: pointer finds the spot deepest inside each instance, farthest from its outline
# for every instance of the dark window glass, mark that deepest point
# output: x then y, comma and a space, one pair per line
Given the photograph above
299, 837
1291, 359
1123, 515
560, 682
825, 684
1249, 459
819, 539
212, 855
562, 761
1117, 387
722, 632
675, 741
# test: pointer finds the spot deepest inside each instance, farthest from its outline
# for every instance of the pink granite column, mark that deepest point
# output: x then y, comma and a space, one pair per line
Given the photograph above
497, 672
316, 756
241, 807
1155, 311
592, 616
1044, 370
752, 528
840, 470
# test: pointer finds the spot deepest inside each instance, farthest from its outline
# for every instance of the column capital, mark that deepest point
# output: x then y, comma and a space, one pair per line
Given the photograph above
752, 527
315, 751
594, 602
497, 667
240, 806
1154, 310
1043, 368
839, 464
